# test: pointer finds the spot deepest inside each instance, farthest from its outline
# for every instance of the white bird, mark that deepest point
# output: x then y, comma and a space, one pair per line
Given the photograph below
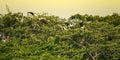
4, 40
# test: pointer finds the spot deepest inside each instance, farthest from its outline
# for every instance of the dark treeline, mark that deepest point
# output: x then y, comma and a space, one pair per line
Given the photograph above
44, 37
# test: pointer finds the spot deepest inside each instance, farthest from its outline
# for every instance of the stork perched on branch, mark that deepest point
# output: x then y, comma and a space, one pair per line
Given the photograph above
81, 25
33, 14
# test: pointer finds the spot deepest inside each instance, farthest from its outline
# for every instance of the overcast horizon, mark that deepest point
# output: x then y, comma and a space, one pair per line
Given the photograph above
62, 8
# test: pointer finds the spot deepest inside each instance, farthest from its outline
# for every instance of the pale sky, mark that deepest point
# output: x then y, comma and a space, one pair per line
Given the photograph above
62, 8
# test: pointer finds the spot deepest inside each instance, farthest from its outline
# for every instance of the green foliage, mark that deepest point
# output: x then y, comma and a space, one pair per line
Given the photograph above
44, 37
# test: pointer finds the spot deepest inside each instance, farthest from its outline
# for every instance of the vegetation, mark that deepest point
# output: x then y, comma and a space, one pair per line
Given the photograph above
44, 37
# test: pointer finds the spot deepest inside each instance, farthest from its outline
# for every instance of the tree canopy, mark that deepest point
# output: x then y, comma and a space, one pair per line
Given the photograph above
45, 37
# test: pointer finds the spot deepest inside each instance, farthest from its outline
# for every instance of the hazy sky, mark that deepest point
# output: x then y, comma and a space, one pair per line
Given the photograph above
63, 8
